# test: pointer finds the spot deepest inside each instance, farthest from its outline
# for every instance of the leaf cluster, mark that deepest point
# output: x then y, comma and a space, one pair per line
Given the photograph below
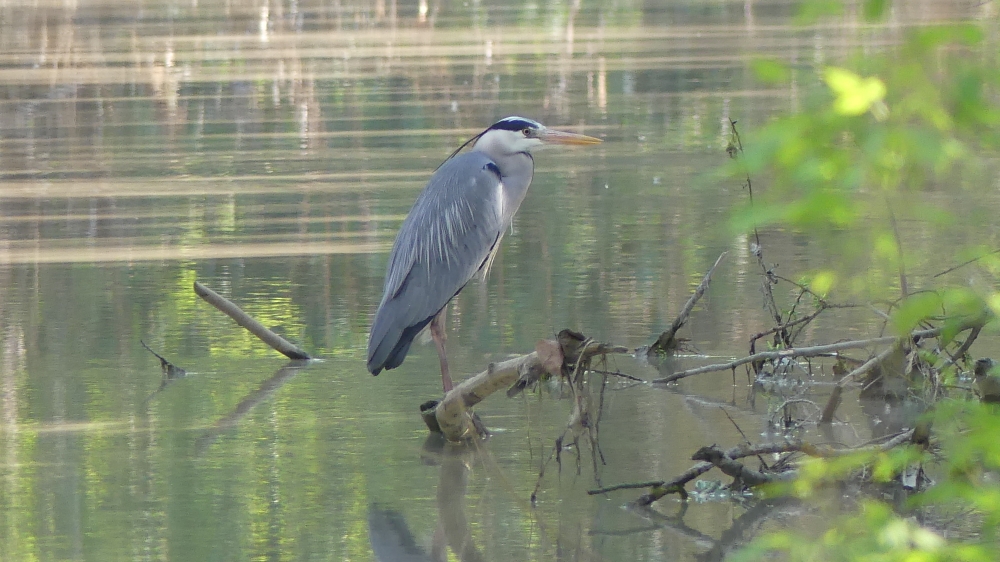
876, 132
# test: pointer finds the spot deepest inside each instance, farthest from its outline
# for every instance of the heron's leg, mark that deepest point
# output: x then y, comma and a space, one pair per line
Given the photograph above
439, 335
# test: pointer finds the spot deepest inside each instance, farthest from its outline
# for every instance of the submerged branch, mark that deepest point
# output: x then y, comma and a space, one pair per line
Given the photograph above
667, 343
170, 371
711, 457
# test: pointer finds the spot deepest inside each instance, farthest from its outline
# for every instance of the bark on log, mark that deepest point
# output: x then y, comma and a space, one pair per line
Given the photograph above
452, 413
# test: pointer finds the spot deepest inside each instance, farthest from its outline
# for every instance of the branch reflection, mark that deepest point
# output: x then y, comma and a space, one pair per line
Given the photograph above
260, 394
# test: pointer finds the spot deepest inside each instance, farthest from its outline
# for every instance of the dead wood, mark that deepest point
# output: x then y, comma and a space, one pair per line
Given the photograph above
452, 414
711, 457
667, 343
813, 351
749, 477
278, 343
836, 397
581, 422
170, 371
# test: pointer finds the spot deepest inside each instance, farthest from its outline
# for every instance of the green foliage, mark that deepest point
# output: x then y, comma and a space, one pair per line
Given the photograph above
873, 533
894, 125
878, 132
970, 462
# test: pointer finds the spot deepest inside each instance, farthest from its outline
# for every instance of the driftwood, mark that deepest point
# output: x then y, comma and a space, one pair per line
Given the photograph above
452, 415
278, 343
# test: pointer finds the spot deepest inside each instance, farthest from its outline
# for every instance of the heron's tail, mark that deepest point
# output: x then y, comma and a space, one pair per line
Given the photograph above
387, 344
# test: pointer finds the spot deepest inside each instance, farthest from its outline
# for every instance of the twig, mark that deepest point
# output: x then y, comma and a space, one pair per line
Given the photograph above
789, 324
666, 342
965, 263
617, 374
746, 440
903, 289
170, 371
867, 365
579, 418
278, 343
781, 407
964, 348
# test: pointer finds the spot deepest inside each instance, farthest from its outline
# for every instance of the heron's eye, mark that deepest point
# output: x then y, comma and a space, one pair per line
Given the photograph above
526, 131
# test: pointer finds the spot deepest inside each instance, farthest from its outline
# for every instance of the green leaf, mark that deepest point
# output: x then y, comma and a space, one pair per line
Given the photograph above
822, 282
855, 95
914, 310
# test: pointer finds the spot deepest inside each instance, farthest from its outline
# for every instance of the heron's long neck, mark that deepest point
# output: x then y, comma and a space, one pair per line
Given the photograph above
515, 173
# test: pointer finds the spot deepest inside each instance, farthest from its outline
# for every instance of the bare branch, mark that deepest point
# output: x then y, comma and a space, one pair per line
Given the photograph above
666, 342
729, 456
278, 343
812, 351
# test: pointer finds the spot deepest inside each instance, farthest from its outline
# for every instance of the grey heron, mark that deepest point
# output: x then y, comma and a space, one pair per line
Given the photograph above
452, 233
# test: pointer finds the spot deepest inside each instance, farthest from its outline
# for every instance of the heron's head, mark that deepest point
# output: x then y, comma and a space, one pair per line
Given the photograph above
511, 135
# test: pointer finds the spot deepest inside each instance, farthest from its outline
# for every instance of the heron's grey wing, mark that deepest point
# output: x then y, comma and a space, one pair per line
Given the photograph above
448, 235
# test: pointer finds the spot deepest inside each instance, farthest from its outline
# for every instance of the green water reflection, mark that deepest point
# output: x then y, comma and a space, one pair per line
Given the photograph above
270, 151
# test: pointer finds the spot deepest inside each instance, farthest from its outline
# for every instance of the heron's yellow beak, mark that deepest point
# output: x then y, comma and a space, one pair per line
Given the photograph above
562, 137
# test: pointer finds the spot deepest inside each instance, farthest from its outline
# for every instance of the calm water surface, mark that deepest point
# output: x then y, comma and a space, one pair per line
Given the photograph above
271, 150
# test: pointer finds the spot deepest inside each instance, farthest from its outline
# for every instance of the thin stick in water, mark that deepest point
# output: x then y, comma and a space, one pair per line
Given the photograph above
278, 343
